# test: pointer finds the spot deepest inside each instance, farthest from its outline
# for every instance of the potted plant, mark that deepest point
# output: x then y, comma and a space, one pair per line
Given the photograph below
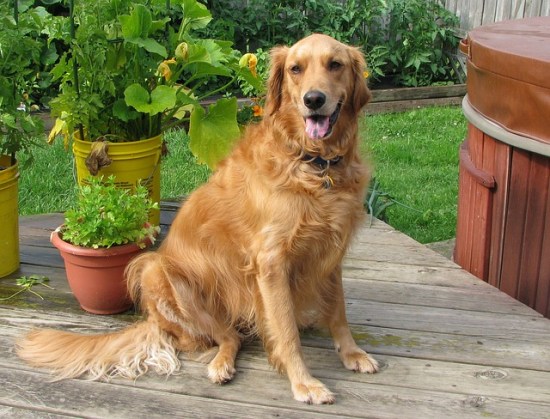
132, 70
105, 229
20, 50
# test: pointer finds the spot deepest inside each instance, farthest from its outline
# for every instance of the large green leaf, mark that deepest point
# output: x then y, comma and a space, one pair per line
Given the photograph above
136, 28
137, 23
122, 111
115, 58
206, 51
195, 15
207, 70
161, 98
149, 45
213, 134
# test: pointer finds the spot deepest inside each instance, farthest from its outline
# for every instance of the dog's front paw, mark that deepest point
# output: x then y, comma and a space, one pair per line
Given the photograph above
220, 372
312, 392
360, 361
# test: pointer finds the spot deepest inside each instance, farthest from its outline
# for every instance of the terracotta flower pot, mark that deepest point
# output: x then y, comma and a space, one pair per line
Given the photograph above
96, 276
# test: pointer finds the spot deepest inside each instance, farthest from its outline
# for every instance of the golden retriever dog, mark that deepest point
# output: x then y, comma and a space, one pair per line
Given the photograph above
256, 251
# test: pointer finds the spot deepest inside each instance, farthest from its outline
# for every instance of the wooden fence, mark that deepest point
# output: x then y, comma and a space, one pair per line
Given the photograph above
473, 13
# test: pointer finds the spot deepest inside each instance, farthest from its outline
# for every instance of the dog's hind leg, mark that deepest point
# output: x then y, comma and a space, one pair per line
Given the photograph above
222, 368
200, 326
181, 308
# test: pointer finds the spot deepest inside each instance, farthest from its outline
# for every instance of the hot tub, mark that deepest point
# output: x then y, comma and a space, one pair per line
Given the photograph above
503, 227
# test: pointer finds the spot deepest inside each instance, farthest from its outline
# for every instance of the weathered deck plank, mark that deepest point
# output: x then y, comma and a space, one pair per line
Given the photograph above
450, 345
468, 298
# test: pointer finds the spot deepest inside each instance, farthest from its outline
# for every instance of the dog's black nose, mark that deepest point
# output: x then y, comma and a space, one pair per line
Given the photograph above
314, 99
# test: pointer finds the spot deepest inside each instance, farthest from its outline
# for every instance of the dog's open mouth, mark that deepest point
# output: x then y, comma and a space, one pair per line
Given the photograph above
320, 126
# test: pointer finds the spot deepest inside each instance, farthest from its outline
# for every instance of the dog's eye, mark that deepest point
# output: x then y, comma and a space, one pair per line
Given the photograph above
334, 65
295, 69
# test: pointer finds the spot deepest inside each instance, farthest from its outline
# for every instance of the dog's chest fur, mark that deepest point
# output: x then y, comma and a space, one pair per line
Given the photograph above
315, 222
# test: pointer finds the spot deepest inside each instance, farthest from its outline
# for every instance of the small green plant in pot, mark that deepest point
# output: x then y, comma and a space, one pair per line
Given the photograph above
107, 227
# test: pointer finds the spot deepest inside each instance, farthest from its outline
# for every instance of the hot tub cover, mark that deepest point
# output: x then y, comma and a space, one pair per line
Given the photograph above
509, 75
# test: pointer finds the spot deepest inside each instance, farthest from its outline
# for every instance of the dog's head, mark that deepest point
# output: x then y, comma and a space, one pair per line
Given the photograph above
317, 86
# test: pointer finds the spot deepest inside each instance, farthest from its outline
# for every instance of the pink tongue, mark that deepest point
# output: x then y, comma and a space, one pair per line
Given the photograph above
317, 127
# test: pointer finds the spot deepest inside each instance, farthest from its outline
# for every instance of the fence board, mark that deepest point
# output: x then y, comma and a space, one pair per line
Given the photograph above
473, 13
489, 11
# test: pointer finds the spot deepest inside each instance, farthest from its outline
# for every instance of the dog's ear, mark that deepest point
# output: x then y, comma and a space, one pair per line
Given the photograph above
276, 77
361, 93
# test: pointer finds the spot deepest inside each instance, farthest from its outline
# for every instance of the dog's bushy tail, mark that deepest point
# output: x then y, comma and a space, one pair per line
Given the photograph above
127, 353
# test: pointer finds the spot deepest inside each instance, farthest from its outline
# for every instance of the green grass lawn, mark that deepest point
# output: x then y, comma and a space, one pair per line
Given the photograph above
415, 159
414, 155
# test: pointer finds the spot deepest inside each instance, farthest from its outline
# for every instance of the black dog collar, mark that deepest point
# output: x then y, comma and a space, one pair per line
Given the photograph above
324, 166
320, 162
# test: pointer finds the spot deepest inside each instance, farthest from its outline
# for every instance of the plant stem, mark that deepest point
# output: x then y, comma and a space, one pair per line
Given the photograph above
75, 64
16, 12
213, 92
16, 18
175, 123
13, 295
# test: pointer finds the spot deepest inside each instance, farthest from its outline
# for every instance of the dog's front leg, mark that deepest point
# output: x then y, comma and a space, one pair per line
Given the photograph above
281, 331
353, 357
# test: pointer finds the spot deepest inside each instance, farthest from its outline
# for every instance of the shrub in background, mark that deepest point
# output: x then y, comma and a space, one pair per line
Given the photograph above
420, 43
22, 53
406, 42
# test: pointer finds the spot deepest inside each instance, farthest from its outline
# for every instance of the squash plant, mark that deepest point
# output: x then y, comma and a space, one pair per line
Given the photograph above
136, 68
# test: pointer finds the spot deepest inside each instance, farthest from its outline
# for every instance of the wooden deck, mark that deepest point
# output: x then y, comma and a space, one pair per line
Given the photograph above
451, 346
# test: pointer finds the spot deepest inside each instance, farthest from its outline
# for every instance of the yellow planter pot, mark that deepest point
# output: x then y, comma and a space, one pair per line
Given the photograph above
9, 214
132, 163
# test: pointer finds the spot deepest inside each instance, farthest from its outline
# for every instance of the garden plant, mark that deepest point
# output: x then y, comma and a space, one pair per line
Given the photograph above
21, 50
105, 216
22, 53
133, 69
102, 232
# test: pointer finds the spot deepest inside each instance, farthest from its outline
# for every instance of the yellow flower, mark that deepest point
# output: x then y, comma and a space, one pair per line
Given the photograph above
251, 61
243, 62
164, 69
252, 65
366, 74
182, 51
258, 110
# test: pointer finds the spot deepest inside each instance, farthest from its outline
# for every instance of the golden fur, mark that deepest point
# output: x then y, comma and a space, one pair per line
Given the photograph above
258, 248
